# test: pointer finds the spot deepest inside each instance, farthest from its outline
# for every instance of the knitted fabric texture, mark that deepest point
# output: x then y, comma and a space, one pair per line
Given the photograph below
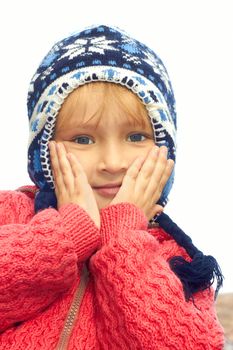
133, 300
98, 53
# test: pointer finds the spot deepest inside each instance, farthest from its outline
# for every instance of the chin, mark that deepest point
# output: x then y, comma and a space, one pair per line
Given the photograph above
103, 203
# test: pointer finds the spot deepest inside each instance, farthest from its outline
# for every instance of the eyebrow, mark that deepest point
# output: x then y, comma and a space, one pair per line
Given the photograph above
93, 126
86, 126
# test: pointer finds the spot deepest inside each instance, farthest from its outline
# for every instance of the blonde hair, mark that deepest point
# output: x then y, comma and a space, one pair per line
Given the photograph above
133, 107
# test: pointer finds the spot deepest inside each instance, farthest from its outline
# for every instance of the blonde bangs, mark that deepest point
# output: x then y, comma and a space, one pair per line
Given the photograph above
133, 109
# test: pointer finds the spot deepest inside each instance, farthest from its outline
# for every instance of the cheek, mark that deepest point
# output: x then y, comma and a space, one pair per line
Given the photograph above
87, 165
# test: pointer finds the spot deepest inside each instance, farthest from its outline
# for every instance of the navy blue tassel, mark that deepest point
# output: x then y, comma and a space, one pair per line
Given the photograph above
45, 199
201, 272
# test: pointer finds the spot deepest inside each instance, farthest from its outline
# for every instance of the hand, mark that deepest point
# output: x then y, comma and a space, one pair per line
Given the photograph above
145, 180
71, 183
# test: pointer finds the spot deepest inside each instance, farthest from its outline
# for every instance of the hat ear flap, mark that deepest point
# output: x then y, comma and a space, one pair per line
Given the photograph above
45, 199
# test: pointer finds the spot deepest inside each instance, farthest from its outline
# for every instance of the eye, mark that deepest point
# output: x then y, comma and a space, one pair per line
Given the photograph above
83, 140
137, 137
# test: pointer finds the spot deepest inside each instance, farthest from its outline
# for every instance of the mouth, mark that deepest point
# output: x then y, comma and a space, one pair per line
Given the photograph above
108, 190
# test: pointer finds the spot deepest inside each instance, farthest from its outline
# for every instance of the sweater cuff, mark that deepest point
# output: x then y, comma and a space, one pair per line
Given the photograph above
121, 217
81, 230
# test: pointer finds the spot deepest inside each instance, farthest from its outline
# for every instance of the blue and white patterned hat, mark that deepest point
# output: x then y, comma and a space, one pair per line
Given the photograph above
98, 53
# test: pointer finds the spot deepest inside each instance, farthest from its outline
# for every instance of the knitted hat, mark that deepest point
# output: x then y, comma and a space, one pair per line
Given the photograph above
99, 53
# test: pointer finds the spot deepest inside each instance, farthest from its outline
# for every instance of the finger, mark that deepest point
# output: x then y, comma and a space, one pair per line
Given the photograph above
133, 171
58, 179
77, 169
167, 173
160, 165
53, 158
149, 164
65, 168
158, 183
135, 167
147, 168
128, 182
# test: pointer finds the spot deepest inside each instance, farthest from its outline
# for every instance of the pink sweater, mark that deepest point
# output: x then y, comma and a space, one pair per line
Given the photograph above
132, 299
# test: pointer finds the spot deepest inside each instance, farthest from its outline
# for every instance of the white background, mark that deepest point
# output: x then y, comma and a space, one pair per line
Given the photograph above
194, 39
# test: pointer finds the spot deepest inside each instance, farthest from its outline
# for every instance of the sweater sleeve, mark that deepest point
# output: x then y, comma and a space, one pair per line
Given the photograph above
140, 301
39, 255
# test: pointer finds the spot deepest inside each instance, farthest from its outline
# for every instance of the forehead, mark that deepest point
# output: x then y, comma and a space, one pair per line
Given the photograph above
94, 102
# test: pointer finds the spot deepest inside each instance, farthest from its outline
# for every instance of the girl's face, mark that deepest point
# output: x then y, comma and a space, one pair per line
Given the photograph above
106, 127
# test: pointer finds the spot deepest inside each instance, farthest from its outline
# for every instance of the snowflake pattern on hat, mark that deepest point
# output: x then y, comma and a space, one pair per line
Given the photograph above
82, 47
99, 53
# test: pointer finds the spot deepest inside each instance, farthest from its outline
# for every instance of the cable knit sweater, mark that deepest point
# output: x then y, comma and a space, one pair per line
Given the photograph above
132, 299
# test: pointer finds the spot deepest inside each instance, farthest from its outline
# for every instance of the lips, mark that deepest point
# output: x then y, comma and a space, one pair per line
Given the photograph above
108, 190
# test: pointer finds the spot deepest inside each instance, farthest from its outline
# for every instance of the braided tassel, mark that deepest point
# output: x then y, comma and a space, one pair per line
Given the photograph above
45, 199
198, 274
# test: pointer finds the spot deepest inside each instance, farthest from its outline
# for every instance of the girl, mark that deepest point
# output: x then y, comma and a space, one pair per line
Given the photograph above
88, 259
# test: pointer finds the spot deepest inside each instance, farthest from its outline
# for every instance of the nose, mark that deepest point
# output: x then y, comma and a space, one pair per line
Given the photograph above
113, 159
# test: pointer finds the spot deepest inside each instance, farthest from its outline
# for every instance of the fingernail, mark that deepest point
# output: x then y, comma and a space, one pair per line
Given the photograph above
154, 150
164, 149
